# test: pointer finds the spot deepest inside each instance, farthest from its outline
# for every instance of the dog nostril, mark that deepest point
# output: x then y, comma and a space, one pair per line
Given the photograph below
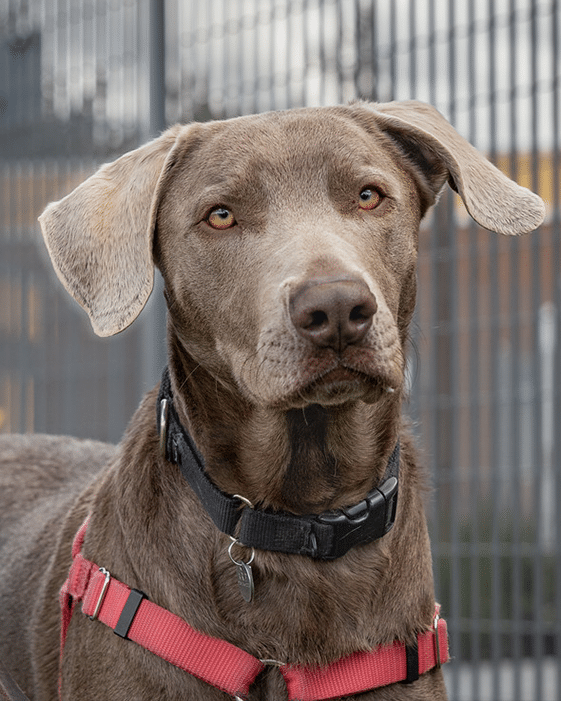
317, 319
363, 312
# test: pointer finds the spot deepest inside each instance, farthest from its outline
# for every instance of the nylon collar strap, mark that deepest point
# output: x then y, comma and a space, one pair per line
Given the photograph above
324, 536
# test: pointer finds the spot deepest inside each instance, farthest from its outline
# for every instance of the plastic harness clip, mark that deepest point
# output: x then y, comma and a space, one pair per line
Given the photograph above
128, 613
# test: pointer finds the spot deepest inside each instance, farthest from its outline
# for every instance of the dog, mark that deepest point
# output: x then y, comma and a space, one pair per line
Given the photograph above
287, 242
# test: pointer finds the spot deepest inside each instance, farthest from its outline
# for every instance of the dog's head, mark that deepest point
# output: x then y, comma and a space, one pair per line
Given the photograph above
287, 241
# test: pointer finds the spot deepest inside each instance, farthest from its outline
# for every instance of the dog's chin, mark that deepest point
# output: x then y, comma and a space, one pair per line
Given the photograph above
340, 386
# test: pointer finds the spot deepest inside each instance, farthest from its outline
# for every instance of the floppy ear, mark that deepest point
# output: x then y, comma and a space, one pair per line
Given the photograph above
99, 236
426, 138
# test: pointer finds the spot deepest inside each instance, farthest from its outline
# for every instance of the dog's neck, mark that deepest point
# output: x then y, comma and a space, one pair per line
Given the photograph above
301, 460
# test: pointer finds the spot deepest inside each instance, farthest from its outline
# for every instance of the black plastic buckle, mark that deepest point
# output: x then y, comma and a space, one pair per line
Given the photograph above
364, 522
389, 490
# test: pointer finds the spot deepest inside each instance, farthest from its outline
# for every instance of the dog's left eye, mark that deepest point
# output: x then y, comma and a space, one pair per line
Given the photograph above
369, 198
220, 218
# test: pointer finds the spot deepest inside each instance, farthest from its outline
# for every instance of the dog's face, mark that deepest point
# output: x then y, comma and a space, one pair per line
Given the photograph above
287, 241
263, 216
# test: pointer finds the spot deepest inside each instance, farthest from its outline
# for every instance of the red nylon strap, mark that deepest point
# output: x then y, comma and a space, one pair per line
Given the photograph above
224, 665
75, 585
172, 639
215, 661
364, 670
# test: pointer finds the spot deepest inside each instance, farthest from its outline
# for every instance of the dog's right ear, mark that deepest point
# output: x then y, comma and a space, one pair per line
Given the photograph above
99, 236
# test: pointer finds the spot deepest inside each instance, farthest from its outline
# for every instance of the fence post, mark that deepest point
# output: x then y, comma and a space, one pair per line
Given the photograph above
154, 334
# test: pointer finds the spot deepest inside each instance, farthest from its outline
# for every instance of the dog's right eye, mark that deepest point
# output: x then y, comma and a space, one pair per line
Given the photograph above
220, 218
370, 198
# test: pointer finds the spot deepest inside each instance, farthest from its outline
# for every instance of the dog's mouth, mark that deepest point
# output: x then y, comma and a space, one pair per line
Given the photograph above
342, 384
286, 373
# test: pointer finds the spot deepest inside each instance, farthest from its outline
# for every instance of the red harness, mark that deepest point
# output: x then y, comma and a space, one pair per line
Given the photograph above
222, 664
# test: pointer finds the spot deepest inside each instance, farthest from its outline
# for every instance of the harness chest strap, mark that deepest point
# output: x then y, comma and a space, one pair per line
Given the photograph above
223, 665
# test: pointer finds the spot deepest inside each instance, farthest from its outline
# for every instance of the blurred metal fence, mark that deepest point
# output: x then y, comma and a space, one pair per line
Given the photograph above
82, 81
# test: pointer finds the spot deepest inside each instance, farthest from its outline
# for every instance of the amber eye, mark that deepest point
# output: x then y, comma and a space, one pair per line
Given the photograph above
221, 218
369, 198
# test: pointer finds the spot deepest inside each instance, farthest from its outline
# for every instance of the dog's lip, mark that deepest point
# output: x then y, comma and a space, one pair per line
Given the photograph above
340, 384
338, 374
343, 372
343, 375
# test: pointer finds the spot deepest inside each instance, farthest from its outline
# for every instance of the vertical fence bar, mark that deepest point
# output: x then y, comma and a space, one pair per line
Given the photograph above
154, 329
411, 11
556, 231
514, 381
537, 452
305, 53
393, 50
454, 398
271, 97
375, 53
339, 50
359, 44
432, 400
493, 456
70, 352
322, 57
430, 368
474, 390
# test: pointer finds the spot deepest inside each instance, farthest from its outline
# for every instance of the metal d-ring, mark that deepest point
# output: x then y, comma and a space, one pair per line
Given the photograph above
244, 499
273, 663
235, 541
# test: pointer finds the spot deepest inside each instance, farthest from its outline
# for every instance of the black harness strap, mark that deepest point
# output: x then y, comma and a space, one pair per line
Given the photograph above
324, 536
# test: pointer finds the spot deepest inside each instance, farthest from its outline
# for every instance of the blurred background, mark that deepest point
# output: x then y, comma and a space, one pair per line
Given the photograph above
82, 81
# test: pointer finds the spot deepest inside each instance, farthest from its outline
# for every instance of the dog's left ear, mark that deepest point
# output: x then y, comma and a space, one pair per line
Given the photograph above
432, 144
99, 236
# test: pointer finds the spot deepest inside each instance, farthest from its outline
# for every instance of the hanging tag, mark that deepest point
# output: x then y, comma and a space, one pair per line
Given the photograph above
243, 573
245, 580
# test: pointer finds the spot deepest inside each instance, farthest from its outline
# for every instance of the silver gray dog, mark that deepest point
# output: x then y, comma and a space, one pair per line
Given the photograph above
287, 242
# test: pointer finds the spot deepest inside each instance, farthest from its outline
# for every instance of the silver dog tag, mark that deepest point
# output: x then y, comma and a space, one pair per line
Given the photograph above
245, 580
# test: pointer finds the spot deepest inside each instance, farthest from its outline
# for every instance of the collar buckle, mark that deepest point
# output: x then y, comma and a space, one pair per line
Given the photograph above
364, 522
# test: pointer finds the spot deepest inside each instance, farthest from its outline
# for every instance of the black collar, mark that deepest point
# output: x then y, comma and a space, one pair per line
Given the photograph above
324, 536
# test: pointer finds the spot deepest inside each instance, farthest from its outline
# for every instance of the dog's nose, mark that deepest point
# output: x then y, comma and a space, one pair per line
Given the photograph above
334, 313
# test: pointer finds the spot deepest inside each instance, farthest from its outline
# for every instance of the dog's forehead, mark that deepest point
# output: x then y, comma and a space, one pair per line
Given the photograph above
302, 140
311, 124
